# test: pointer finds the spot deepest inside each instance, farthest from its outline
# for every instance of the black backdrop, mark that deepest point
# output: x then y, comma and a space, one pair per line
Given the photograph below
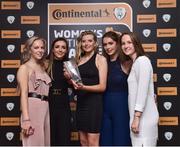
166, 72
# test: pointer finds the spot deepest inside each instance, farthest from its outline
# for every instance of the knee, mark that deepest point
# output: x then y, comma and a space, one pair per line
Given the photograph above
93, 141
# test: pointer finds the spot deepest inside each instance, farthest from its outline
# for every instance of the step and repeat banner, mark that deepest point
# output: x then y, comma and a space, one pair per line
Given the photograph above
155, 21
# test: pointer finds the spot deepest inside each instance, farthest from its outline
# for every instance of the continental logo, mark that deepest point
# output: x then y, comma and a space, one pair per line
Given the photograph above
146, 18
9, 121
10, 5
10, 34
166, 3
60, 14
150, 47
166, 33
9, 92
73, 106
167, 90
10, 63
74, 136
30, 19
168, 121
166, 62
91, 13
155, 77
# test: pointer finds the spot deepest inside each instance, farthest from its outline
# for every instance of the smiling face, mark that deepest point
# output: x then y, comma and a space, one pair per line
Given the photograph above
37, 50
88, 43
60, 49
111, 47
128, 46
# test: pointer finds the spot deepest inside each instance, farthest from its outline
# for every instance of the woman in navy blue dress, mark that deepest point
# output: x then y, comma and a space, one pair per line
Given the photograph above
115, 124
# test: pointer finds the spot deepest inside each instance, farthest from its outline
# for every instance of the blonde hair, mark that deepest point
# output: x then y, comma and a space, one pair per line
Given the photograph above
79, 51
26, 55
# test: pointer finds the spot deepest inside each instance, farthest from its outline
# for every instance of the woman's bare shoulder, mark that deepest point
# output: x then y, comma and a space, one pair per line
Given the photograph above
100, 58
24, 69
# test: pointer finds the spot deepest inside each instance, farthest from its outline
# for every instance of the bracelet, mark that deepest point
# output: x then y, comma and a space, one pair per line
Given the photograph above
137, 116
25, 120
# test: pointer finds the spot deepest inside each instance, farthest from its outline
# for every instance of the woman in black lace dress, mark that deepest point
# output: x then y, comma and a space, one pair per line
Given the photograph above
59, 100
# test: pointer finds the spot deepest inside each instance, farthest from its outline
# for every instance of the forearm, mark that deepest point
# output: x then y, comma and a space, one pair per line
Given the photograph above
24, 108
94, 88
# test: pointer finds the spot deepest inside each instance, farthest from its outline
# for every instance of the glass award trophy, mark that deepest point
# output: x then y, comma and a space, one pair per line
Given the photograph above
73, 70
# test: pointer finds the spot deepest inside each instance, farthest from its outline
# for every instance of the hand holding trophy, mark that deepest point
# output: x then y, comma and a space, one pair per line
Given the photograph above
73, 70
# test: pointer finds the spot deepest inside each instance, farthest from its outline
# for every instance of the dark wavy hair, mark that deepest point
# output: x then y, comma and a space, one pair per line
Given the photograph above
115, 37
51, 55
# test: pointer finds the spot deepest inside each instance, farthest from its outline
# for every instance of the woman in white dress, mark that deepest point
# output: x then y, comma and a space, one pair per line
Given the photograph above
142, 107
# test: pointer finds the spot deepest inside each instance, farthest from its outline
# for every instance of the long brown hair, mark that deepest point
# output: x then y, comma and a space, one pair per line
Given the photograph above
51, 55
79, 51
136, 42
26, 54
115, 37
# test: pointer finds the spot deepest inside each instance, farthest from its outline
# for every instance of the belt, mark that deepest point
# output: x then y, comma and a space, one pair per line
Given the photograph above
58, 91
35, 95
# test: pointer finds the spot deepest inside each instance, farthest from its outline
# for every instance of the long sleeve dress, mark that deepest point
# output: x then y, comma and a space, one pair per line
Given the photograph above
141, 98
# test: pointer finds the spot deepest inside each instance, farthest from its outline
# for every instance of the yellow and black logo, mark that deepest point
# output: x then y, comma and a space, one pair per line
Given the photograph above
10, 5
167, 91
168, 121
10, 63
166, 62
151, 47
11, 34
10, 121
166, 33
9, 92
166, 4
30, 19
146, 18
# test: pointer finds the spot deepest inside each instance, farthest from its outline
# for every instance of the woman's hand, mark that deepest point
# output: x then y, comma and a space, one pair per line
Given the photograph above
77, 86
26, 128
135, 125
